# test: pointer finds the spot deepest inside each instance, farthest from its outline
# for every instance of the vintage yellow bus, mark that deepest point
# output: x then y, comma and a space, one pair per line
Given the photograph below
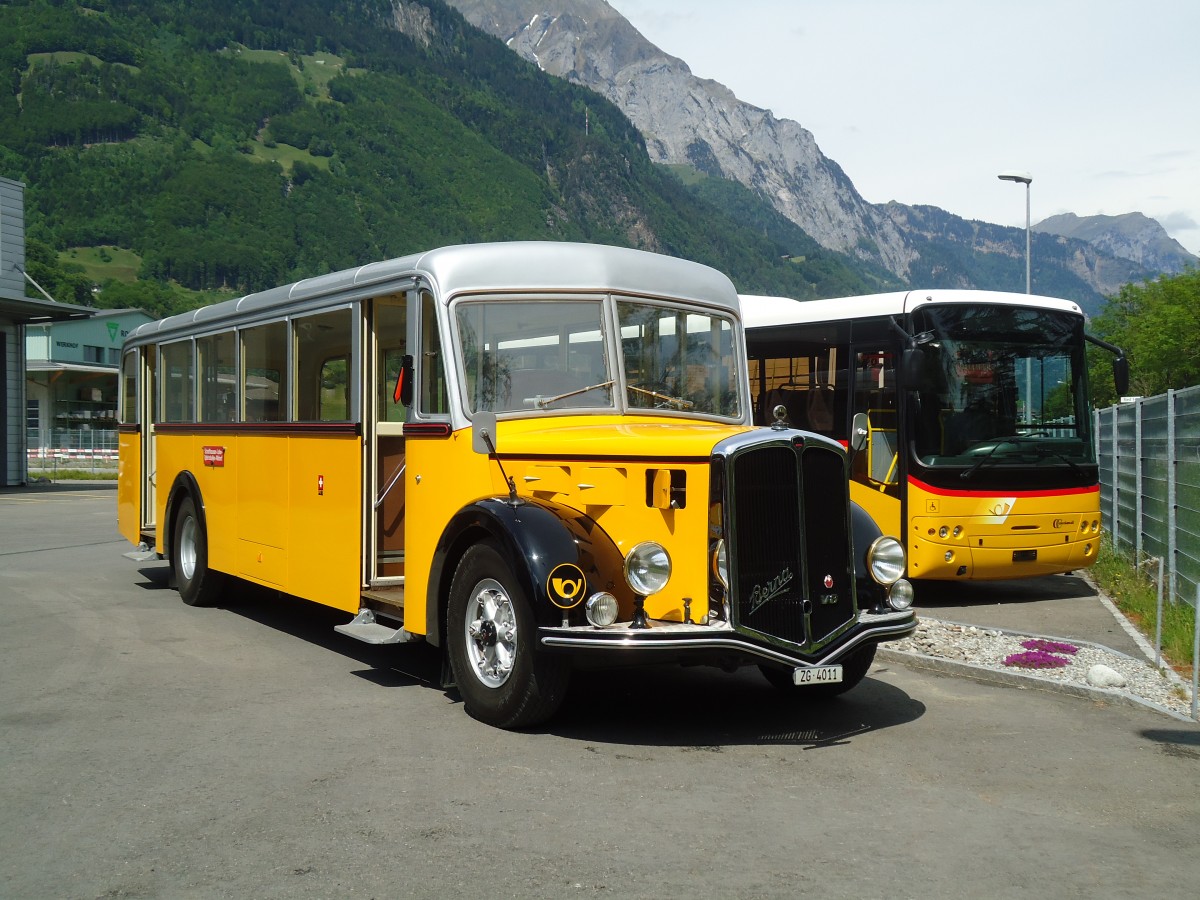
526, 454
974, 407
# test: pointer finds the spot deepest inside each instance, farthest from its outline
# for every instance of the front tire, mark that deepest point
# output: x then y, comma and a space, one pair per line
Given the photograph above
197, 584
854, 669
491, 635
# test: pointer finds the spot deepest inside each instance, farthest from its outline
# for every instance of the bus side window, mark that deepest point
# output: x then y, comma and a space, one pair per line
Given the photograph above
323, 345
177, 377
218, 377
264, 372
432, 399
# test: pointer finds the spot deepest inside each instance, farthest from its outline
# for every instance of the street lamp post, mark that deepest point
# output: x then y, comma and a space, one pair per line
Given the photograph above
1025, 179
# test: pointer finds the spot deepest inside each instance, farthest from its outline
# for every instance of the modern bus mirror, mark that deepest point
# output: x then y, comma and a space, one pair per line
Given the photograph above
1121, 375
483, 432
858, 432
912, 368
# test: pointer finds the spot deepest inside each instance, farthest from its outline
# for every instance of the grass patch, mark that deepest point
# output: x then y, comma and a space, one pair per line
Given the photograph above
311, 72
286, 156
102, 263
75, 474
1135, 593
689, 175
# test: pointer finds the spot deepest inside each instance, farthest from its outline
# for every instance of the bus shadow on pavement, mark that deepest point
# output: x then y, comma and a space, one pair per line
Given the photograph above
706, 709
934, 595
1176, 741
698, 708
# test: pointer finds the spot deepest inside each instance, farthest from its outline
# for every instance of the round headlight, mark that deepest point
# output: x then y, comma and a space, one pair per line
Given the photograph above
647, 568
885, 560
720, 562
601, 609
900, 595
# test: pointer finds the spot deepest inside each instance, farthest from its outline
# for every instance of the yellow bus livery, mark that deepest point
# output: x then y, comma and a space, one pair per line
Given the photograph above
526, 454
973, 406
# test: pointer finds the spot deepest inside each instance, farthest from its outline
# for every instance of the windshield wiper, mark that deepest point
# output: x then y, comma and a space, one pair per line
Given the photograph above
543, 402
1043, 452
675, 402
1000, 442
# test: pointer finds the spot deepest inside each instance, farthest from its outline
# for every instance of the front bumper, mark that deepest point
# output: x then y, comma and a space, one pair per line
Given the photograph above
719, 642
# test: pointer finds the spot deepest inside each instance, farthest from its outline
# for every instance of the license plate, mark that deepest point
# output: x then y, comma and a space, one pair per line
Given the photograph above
817, 675
1024, 556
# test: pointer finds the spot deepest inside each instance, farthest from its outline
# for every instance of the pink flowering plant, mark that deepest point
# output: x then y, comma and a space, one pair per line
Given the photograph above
1042, 654
1049, 646
1036, 659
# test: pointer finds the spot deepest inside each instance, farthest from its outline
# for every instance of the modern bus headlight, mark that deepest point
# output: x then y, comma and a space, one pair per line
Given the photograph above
647, 568
901, 595
885, 560
601, 609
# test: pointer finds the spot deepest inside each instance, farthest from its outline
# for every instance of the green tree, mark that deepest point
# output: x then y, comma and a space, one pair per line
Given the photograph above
1157, 324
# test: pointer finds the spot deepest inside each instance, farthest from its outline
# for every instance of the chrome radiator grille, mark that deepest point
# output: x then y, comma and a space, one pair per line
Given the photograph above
789, 541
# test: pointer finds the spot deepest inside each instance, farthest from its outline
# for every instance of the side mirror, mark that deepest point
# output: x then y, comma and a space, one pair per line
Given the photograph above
403, 392
912, 368
858, 432
483, 432
1121, 375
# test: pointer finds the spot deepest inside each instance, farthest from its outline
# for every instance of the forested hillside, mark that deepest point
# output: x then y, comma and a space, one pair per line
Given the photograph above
231, 146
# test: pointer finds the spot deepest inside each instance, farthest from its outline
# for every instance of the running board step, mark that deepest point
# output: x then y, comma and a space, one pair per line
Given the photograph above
365, 628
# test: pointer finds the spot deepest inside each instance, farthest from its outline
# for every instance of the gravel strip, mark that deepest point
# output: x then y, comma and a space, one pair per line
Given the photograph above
986, 649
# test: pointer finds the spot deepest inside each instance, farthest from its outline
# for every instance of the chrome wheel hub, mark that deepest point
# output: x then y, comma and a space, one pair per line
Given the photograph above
491, 632
187, 548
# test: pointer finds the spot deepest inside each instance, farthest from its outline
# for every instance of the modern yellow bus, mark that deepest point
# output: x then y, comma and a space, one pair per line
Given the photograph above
974, 406
525, 454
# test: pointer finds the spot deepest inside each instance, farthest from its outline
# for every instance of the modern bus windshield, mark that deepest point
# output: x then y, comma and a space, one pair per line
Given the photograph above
999, 386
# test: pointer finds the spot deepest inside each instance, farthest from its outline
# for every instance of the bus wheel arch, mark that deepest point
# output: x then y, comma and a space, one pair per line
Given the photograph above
533, 536
491, 637
187, 544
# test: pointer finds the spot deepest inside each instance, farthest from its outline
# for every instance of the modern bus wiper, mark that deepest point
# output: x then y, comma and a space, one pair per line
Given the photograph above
543, 402
675, 402
1000, 442
1043, 452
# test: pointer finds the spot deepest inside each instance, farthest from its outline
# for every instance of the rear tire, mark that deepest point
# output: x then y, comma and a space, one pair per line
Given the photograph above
491, 636
197, 584
854, 669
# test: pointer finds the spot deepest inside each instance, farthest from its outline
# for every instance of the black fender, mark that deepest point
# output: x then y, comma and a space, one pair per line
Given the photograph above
185, 484
534, 536
864, 531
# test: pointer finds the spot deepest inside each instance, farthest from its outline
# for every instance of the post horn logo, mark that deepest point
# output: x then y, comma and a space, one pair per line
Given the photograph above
566, 585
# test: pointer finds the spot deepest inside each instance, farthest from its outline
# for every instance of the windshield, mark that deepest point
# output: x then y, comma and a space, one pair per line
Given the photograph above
1000, 386
554, 355
679, 359
529, 355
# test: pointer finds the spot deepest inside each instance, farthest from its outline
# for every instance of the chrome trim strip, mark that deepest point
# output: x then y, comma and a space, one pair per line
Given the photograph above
676, 637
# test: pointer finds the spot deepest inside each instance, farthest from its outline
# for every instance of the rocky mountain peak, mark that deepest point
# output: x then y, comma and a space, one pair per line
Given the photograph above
694, 121
700, 123
1131, 236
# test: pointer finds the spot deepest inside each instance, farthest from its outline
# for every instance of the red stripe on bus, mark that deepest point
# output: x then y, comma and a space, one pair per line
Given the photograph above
998, 492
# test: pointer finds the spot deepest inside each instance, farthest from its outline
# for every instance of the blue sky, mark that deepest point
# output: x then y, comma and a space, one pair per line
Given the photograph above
926, 101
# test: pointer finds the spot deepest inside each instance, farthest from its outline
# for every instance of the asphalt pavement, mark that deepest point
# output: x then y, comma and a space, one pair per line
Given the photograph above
148, 748
1053, 606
